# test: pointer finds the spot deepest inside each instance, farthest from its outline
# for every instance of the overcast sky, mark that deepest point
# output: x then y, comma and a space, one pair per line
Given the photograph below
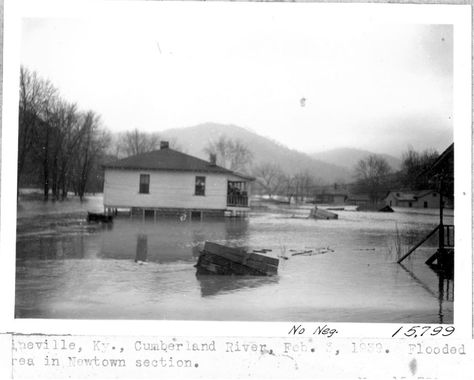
370, 86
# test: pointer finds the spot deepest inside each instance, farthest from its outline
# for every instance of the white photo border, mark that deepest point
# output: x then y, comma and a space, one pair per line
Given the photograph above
457, 15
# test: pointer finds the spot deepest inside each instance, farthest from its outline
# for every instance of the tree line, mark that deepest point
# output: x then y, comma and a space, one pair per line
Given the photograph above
372, 176
60, 147
375, 177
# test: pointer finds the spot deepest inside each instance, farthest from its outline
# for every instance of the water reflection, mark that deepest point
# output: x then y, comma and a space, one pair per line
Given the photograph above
168, 240
445, 291
212, 285
445, 283
67, 268
142, 248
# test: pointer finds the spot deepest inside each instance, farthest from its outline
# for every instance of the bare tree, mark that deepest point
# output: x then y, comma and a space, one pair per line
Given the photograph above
232, 154
304, 184
372, 174
414, 164
287, 186
268, 175
36, 99
91, 149
135, 142
62, 121
58, 146
72, 134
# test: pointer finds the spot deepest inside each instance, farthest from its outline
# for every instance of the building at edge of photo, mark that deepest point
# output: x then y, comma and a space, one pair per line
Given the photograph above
166, 181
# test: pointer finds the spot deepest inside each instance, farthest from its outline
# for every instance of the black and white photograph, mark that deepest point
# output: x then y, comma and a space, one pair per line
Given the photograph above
264, 165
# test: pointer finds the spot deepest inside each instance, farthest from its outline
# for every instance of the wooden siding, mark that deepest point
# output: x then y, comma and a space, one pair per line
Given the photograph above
167, 189
432, 201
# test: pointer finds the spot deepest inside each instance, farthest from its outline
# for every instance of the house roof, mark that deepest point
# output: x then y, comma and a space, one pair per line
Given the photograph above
409, 196
422, 193
358, 197
404, 196
445, 159
170, 159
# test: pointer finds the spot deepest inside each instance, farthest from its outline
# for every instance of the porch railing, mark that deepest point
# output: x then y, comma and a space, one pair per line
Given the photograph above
237, 200
448, 235
445, 240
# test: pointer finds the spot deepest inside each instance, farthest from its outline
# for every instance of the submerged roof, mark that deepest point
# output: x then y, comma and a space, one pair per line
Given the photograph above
169, 159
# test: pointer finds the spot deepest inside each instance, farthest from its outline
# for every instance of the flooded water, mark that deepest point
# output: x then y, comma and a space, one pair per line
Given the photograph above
144, 269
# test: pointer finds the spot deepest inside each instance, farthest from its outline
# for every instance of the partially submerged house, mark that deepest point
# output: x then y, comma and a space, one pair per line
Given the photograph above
358, 199
166, 181
415, 199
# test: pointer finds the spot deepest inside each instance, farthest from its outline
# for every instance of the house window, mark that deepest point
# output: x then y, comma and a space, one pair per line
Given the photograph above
144, 184
200, 186
425, 204
409, 204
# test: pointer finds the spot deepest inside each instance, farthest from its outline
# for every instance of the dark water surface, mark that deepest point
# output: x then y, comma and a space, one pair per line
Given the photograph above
135, 269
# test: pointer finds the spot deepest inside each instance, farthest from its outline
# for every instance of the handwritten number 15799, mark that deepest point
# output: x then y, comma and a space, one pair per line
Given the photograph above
419, 331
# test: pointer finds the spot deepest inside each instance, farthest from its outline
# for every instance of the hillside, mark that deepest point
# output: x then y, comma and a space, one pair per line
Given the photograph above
349, 157
194, 140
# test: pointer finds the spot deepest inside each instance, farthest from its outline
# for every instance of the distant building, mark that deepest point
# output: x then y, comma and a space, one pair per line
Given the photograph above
358, 199
331, 198
414, 199
168, 181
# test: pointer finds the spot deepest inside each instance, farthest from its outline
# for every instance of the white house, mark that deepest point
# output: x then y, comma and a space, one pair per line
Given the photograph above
168, 181
415, 199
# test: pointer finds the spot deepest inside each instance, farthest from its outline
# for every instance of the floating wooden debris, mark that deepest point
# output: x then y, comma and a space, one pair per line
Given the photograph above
263, 250
95, 217
310, 251
318, 213
386, 209
220, 259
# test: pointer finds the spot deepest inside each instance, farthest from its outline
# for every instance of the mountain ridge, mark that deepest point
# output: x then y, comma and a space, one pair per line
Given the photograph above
265, 150
348, 157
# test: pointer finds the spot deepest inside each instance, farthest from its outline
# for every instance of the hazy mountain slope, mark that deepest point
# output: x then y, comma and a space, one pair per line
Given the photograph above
194, 140
349, 157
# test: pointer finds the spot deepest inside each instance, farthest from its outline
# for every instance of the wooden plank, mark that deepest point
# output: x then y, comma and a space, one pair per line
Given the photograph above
232, 254
230, 260
248, 261
238, 254
318, 213
219, 265
258, 265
